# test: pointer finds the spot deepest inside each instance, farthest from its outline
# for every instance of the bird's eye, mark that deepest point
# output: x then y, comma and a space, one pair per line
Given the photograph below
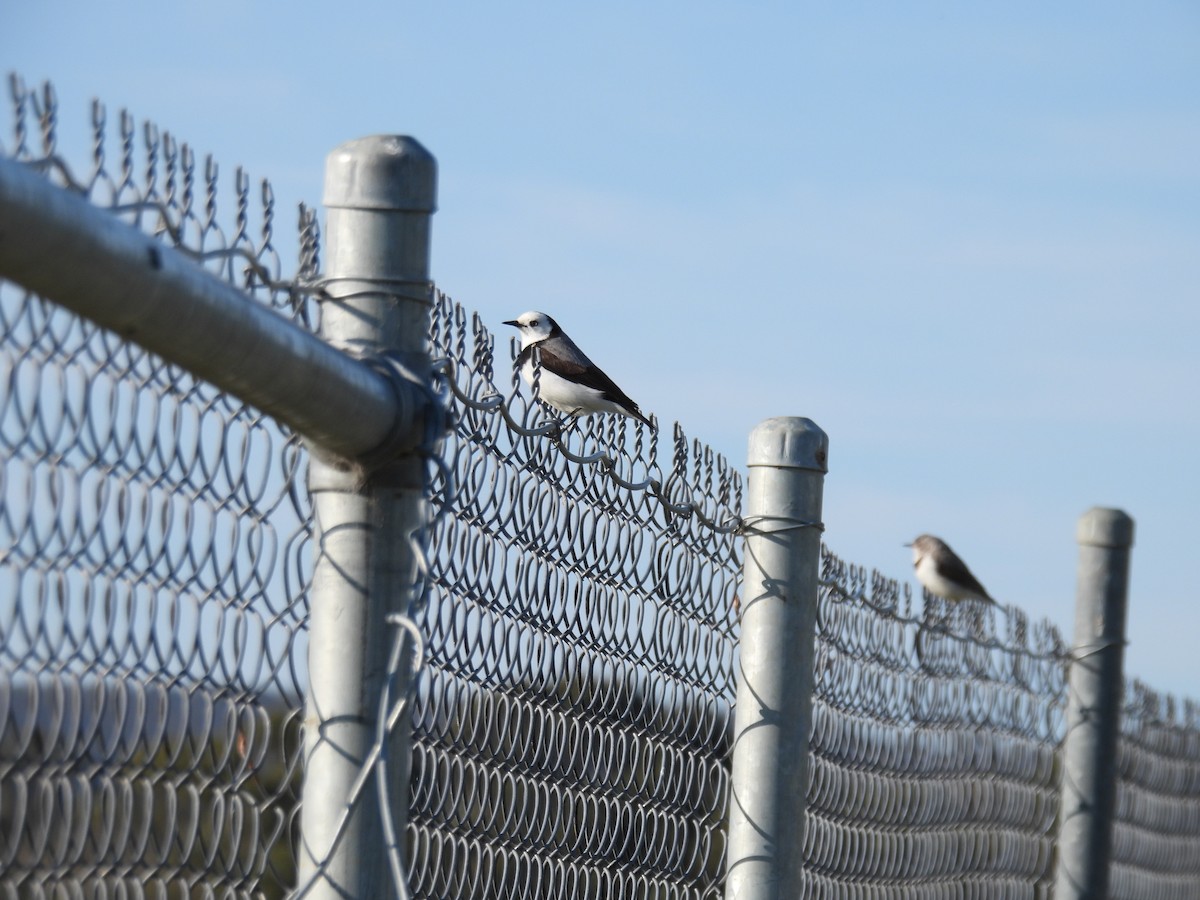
534, 323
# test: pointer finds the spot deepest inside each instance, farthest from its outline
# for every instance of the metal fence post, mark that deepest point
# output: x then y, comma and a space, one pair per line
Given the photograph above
1095, 692
775, 678
379, 196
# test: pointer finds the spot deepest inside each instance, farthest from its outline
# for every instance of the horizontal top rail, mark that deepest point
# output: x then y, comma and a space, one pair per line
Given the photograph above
57, 244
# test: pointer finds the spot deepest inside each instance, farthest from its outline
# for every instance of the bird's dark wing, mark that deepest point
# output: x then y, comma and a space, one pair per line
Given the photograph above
563, 358
576, 367
954, 569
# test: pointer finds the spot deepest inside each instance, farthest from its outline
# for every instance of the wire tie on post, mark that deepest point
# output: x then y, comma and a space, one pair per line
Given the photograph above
751, 525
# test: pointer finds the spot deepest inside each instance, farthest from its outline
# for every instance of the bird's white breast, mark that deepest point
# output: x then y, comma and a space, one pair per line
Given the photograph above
566, 396
928, 575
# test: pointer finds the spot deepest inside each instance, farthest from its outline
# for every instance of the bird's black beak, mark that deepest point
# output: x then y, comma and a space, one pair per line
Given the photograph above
513, 322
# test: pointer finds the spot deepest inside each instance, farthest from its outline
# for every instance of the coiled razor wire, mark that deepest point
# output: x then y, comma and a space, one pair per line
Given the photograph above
573, 716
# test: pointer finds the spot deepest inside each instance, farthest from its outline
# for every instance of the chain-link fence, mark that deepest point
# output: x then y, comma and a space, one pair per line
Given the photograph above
935, 769
153, 565
574, 715
1156, 835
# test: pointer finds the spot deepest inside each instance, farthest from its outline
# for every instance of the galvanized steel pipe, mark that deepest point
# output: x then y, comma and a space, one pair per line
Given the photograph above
380, 195
1095, 690
788, 462
57, 244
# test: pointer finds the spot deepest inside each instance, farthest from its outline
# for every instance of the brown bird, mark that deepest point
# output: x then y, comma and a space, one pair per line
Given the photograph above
942, 573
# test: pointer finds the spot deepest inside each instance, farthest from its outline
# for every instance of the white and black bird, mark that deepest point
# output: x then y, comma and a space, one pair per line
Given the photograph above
943, 573
568, 381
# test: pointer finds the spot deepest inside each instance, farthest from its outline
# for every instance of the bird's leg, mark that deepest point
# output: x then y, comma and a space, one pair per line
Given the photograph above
936, 620
561, 427
978, 618
938, 613
573, 417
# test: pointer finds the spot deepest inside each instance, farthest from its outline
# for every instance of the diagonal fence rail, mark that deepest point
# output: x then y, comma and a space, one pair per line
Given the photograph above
574, 712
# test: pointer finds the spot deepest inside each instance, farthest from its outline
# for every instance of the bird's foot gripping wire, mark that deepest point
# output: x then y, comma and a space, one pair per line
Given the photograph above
565, 424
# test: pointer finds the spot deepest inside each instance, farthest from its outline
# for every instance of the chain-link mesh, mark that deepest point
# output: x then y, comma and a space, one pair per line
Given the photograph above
573, 719
1156, 837
153, 562
574, 716
934, 745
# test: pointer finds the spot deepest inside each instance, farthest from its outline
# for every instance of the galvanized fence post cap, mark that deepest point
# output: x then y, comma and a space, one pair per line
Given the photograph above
1102, 527
790, 442
384, 171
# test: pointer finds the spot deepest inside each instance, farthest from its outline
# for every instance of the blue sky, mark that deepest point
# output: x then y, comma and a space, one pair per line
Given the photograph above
965, 240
